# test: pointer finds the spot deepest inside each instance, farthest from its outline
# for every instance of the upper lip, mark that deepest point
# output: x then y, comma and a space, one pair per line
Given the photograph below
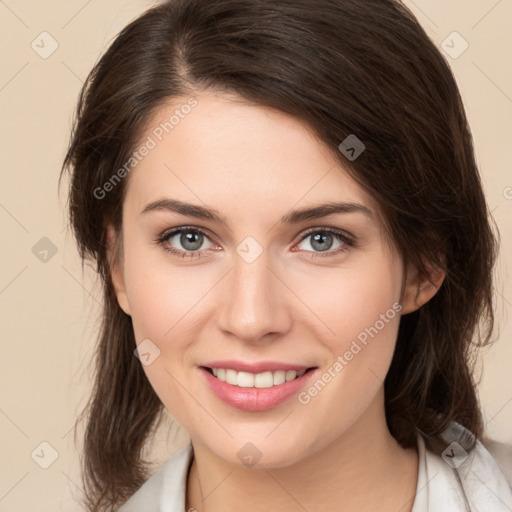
255, 367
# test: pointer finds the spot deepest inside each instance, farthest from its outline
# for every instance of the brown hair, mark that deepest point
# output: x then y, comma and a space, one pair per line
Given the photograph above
343, 67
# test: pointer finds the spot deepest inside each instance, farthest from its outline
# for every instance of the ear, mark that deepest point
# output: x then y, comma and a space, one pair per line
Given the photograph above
418, 291
115, 258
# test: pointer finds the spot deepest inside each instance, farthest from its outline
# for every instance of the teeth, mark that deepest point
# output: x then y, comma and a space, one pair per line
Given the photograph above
290, 375
244, 379
231, 377
258, 380
279, 377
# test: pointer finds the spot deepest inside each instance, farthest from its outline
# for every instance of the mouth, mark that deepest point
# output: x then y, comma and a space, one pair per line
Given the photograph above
260, 380
253, 392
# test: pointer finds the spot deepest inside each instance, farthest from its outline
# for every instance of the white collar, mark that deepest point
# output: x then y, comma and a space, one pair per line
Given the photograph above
476, 485
472, 483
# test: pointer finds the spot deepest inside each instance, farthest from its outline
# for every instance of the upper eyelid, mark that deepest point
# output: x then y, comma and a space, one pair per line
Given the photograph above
174, 231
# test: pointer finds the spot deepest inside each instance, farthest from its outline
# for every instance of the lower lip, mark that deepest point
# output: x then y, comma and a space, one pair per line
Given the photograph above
255, 399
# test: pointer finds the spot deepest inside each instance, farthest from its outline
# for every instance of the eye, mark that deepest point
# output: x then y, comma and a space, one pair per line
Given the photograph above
322, 239
190, 238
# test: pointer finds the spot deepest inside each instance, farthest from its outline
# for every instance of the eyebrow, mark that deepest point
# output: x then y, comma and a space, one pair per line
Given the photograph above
293, 217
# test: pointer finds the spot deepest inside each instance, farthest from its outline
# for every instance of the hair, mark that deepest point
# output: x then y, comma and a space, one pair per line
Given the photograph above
344, 67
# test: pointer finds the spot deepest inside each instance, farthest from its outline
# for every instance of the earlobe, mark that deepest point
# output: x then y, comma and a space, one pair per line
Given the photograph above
114, 255
418, 291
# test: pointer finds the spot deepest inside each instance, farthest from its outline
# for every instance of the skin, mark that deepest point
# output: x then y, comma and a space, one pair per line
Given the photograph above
254, 165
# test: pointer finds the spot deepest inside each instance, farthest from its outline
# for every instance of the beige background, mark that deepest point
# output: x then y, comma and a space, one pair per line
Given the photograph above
49, 310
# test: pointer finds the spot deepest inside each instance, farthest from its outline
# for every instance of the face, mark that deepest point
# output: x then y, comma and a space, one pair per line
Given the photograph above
259, 324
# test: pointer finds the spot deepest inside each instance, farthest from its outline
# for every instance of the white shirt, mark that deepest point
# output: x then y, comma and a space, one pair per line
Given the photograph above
457, 481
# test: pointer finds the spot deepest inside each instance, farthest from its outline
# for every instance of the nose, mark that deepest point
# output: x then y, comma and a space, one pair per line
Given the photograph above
254, 302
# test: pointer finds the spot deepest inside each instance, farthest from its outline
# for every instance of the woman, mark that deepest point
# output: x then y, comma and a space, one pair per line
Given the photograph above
285, 211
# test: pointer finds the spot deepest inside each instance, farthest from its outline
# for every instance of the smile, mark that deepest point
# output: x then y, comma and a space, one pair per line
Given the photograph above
253, 392
256, 380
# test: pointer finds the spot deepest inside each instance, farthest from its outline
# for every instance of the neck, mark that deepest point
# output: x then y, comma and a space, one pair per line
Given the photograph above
363, 469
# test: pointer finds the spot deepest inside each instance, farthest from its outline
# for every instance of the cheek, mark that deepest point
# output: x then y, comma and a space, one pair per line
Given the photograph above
163, 304
362, 307
359, 311
344, 301
163, 297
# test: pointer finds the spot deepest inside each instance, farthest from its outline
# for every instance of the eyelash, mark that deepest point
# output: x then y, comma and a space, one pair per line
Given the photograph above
348, 242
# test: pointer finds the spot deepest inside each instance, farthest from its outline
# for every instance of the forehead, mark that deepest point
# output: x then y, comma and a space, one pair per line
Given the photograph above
239, 157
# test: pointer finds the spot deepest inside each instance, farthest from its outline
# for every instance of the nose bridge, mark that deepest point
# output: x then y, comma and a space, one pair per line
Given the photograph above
254, 305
